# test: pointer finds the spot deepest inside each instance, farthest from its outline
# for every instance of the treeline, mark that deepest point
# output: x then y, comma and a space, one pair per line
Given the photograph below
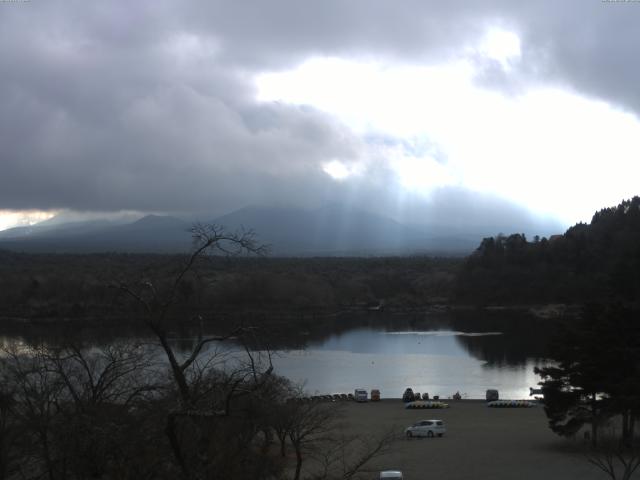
596, 260
53, 287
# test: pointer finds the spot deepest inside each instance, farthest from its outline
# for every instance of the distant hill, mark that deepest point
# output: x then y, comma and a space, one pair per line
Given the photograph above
333, 230
150, 234
53, 230
590, 262
336, 230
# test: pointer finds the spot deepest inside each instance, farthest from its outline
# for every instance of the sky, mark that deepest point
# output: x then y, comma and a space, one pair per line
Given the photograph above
468, 113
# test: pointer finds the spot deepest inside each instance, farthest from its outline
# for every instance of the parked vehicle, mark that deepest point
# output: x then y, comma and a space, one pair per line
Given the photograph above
492, 395
391, 475
425, 404
360, 395
511, 404
426, 428
408, 395
375, 395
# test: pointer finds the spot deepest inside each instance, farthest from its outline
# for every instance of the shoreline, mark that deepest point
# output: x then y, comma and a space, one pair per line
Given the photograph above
277, 315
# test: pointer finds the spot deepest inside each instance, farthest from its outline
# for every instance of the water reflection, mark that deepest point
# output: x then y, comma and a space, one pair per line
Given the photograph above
436, 342
467, 351
439, 362
326, 371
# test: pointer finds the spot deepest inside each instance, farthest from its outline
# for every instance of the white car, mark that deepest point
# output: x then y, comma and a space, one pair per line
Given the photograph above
426, 428
391, 475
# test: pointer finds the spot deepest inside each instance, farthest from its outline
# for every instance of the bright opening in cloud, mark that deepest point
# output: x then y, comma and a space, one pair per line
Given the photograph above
420, 174
336, 169
502, 46
551, 150
24, 218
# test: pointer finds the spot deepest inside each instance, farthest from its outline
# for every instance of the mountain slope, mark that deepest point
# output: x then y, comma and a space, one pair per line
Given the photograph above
336, 230
150, 234
332, 230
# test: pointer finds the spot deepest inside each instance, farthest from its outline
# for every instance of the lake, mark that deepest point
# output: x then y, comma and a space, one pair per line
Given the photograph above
466, 352
438, 362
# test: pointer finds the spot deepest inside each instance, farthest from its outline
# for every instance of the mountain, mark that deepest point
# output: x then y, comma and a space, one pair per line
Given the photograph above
70, 223
150, 234
338, 230
55, 229
331, 230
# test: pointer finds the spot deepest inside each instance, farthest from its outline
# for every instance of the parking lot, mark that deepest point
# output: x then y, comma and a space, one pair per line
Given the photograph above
480, 443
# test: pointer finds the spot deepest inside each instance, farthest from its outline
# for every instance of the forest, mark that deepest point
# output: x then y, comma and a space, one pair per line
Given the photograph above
42, 288
595, 261
599, 260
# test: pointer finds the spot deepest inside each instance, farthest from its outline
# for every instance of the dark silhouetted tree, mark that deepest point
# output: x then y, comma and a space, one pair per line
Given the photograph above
596, 372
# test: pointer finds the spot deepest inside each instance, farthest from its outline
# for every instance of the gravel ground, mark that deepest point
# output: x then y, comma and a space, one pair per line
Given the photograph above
480, 443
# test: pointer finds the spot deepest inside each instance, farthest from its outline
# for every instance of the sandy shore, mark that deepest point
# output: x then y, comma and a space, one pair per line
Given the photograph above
480, 443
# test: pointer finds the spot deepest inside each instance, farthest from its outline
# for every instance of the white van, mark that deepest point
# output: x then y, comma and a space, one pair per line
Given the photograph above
360, 395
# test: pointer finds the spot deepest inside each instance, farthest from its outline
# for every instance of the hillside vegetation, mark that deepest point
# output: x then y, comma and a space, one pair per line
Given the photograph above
48, 286
595, 261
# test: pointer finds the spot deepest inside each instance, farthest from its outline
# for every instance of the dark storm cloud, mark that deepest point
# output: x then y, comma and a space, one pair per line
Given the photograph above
588, 46
149, 122
150, 105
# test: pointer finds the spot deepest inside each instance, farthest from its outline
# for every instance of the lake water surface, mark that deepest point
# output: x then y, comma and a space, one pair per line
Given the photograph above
440, 354
436, 361
467, 353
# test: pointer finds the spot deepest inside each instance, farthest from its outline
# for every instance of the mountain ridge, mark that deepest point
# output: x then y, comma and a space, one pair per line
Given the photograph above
332, 230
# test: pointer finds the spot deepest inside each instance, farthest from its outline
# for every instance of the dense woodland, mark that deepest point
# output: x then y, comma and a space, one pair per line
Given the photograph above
600, 260
46, 287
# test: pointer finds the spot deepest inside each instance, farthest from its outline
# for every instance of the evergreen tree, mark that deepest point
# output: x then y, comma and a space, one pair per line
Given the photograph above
597, 374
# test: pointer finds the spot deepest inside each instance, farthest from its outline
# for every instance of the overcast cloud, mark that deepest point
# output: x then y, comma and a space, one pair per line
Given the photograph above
153, 105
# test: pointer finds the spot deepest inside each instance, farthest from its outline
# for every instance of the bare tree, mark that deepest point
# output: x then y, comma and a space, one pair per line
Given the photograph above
315, 433
310, 424
617, 459
207, 240
345, 457
206, 395
77, 410
8, 435
117, 374
37, 392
